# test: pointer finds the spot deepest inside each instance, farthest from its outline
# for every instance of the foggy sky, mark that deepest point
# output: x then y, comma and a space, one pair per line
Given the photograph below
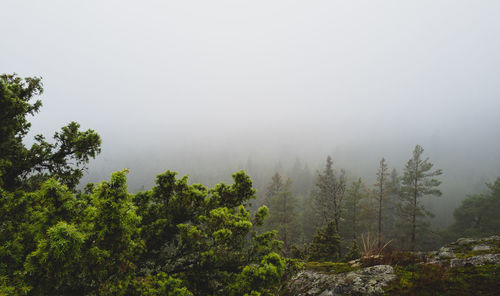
173, 84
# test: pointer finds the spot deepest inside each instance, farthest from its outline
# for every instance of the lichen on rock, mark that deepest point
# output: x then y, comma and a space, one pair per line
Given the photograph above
365, 281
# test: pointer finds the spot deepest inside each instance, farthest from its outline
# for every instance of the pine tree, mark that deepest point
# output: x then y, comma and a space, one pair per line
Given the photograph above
418, 181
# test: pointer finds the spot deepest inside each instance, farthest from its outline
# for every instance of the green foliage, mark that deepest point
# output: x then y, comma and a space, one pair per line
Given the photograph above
260, 279
43, 231
15, 96
185, 239
55, 264
325, 245
22, 167
354, 252
207, 238
27, 217
283, 213
112, 226
176, 239
299, 251
158, 285
478, 214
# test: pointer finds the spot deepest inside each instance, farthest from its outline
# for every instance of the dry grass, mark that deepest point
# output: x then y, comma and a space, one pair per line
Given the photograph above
369, 245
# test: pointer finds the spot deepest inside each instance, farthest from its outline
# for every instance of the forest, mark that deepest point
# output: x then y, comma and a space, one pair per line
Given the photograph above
61, 237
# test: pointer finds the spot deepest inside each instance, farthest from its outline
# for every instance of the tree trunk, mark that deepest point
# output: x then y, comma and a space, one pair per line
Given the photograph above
414, 211
379, 243
337, 229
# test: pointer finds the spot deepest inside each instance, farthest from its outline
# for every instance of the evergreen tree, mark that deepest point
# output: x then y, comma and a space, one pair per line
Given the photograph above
354, 197
354, 252
308, 218
207, 237
478, 214
418, 181
274, 188
176, 239
192, 241
113, 236
329, 194
381, 192
325, 245
368, 214
27, 168
283, 213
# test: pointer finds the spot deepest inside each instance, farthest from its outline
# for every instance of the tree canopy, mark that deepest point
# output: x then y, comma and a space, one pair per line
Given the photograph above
27, 167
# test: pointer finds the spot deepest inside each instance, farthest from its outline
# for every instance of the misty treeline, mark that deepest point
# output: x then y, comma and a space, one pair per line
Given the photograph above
179, 238
388, 214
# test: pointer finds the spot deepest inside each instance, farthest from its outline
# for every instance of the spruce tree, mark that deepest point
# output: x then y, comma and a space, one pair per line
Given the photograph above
355, 194
283, 212
354, 252
325, 245
274, 188
381, 192
329, 194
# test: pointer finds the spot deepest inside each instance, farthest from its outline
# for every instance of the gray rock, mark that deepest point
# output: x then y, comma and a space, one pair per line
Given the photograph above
493, 238
445, 253
366, 281
481, 248
476, 260
465, 241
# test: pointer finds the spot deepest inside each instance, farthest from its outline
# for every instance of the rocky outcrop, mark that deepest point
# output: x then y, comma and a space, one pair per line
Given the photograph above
467, 252
476, 260
366, 281
372, 280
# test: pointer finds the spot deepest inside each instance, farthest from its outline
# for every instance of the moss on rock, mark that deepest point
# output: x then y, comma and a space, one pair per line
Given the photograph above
438, 280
